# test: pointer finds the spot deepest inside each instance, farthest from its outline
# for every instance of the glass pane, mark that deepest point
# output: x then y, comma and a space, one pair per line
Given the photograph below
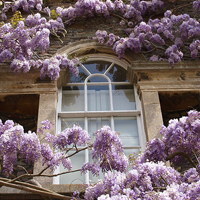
131, 152
69, 122
97, 79
81, 77
97, 66
117, 74
77, 163
96, 123
127, 126
98, 98
73, 98
123, 97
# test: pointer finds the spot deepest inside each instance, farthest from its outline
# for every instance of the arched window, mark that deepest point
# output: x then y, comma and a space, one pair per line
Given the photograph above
100, 95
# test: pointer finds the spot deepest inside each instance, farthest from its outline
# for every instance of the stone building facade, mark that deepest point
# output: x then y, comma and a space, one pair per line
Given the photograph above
163, 92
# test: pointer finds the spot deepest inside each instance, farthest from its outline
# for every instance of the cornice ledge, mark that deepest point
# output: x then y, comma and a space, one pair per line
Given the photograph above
164, 65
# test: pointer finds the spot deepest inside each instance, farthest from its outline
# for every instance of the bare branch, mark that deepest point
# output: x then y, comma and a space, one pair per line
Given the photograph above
67, 172
34, 190
180, 7
180, 153
119, 17
19, 166
26, 184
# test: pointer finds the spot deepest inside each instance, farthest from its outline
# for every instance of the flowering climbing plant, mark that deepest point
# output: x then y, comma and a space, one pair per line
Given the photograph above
145, 176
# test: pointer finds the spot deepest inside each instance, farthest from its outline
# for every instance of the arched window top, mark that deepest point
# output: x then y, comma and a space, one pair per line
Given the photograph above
112, 70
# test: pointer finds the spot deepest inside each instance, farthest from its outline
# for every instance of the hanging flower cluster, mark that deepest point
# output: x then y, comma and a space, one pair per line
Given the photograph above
107, 153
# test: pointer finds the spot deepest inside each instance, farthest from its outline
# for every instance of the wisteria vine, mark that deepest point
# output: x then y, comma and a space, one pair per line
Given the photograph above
24, 41
147, 176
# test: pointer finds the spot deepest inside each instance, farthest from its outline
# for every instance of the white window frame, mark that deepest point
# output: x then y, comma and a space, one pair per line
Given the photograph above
112, 113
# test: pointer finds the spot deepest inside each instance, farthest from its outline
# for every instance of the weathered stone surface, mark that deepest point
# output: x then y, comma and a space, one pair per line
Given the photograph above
152, 114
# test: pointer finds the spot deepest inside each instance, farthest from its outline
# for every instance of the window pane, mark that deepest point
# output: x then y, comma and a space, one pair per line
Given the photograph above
131, 152
123, 97
69, 122
77, 163
98, 98
96, 123
117, 74
81, 77
127, 126
73, 98
95, 67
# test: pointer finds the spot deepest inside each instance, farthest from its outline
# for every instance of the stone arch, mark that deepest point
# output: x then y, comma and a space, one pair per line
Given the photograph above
93, 49
84, 47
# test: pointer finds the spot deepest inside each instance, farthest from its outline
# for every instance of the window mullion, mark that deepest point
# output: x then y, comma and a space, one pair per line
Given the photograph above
111, 98
59, 105
112, 123
85, 69
121, 113
109, 68
86, 153
85, 95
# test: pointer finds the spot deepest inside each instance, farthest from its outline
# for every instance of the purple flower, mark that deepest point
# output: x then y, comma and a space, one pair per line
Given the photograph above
93, 168
74, 135
108, 151
154, 58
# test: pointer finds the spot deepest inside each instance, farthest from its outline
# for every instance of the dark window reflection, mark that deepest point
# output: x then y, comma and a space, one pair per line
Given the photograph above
81, 77
117, 74
97, 79
95, 68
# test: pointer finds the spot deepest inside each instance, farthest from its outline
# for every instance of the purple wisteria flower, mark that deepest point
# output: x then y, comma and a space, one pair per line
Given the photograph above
74, 135
108, 150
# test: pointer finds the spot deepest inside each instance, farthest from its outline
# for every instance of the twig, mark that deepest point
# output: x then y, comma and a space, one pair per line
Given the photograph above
109, 164
76, 170
119, 17
36, 55
164, 179
76, 148
157, 46
196, 157
177, 8
180, 153
28, 175
160, 188
148, 51
69, 20
79, 151
55, 34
